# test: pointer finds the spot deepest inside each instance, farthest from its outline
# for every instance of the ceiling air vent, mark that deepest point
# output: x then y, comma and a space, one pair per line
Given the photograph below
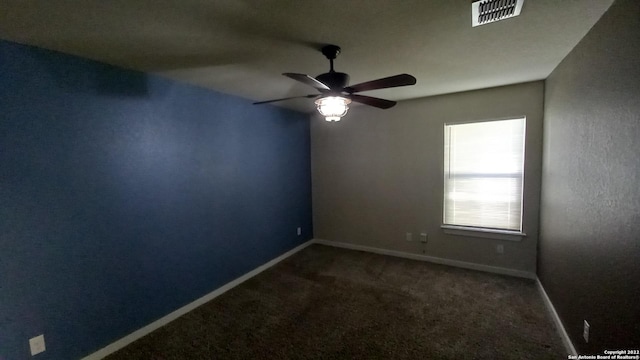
488, 11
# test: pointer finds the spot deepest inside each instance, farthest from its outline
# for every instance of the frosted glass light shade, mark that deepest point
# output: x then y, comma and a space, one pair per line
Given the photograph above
333, 107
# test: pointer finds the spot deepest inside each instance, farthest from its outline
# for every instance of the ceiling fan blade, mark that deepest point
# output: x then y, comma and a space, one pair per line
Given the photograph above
287, 98
306, 79
372, 101
388, 82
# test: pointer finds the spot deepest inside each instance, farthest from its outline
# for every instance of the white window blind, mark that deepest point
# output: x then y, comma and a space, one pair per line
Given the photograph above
483, 172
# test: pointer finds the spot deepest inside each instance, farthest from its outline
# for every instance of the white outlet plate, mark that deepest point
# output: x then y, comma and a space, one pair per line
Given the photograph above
409, 237
299, 231
500, 249
423, 237
36, 345
585, 331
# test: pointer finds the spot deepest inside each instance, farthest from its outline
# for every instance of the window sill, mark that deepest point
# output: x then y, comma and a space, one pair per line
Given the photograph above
483, 233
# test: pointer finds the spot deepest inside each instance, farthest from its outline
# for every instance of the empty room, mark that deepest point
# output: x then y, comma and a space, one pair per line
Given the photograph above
281, 179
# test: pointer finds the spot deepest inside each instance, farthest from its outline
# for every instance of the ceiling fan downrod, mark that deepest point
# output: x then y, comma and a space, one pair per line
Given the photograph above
331, 52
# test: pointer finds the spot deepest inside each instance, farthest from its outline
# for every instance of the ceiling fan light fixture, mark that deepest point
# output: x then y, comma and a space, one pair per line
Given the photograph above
335, 96
333, 107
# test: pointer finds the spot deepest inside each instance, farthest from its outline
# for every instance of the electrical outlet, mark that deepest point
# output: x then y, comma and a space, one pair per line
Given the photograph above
423, 237
585, 331
36, 345
500, 249
299, 231
409, 237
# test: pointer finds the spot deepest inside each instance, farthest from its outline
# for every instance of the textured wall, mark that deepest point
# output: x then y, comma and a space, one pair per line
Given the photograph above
378, 174
589, 259
125, 196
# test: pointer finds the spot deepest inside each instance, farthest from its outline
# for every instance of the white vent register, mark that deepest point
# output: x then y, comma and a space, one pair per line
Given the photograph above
488, 11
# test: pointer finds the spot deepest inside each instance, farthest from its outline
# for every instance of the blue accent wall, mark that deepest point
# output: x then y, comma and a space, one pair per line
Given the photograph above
124, 196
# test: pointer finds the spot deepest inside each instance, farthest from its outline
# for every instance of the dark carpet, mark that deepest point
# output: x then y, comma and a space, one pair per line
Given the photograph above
331, 303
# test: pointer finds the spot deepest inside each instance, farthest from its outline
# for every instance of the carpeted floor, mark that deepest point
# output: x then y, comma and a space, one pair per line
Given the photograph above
331, 303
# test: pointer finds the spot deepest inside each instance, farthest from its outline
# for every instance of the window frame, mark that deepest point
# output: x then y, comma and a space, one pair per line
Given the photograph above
485, 232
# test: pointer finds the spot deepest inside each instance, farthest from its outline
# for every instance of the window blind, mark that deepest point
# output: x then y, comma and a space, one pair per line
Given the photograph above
483, 177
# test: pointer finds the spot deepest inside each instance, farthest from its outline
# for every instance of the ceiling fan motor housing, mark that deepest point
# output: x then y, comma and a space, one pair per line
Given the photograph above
336, 81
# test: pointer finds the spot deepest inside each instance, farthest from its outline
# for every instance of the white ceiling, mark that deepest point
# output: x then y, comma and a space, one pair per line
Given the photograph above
241, 47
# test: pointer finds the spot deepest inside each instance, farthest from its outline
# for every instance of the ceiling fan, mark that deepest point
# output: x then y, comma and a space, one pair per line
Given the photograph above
335, 92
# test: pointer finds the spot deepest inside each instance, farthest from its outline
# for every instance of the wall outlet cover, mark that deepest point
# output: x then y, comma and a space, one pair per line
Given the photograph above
299, 231
423, 237
36, 345
409, 236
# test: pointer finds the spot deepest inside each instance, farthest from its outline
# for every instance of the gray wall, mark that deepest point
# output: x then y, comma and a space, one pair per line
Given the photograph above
378, 174
589, 258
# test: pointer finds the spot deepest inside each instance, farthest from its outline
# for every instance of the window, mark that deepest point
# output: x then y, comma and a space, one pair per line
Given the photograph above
483, 174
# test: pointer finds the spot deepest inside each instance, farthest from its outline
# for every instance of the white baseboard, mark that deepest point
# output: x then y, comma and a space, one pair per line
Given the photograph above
432, 259
556, 319
119, 344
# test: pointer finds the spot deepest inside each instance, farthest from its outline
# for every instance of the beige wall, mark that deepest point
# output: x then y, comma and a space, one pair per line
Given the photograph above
378, 174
